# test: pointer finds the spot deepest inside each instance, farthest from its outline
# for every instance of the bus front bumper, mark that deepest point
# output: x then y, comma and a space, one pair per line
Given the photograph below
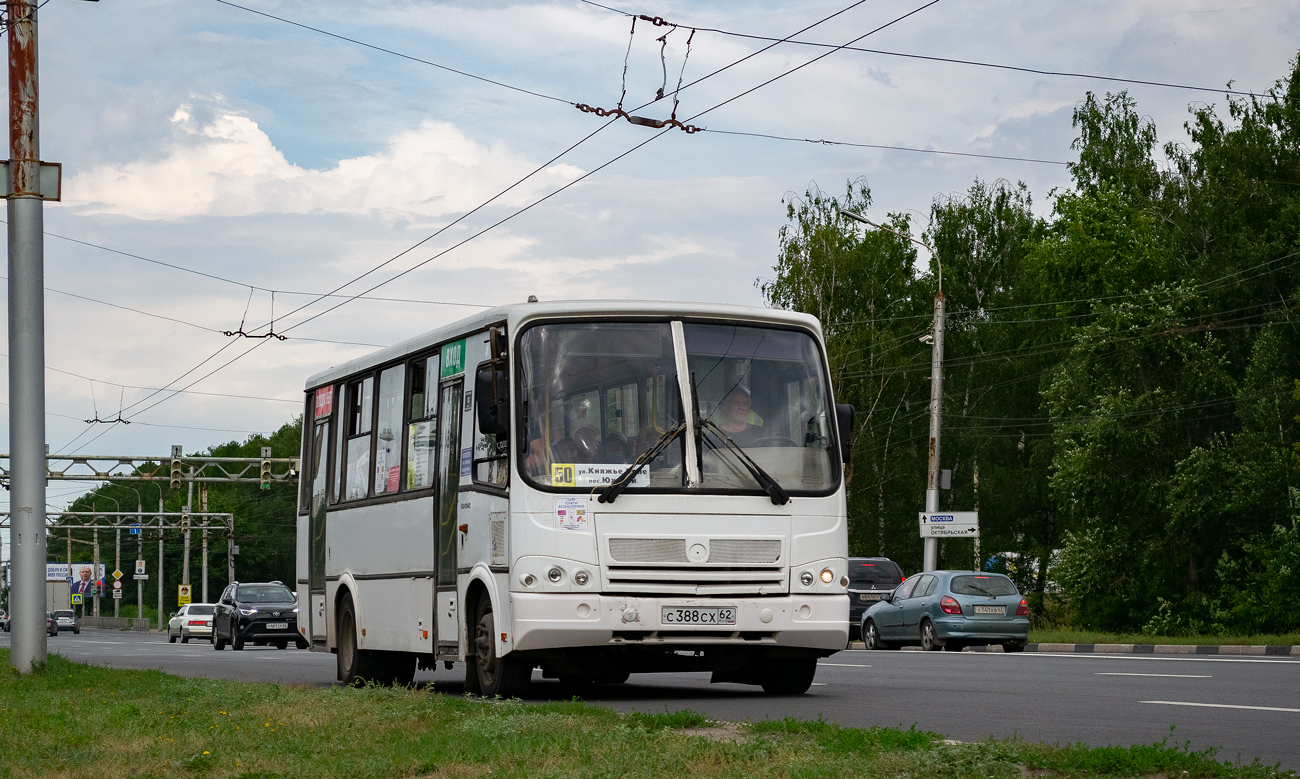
556, 620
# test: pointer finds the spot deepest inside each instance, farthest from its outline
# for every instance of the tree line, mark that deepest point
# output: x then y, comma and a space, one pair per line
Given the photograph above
1120, 396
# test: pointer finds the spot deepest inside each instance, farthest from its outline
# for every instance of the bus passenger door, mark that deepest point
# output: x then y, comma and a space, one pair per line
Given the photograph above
450, 418
316, 541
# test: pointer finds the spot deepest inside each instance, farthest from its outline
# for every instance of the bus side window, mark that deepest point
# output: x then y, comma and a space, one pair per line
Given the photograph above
356, 482
421, 433
388, 449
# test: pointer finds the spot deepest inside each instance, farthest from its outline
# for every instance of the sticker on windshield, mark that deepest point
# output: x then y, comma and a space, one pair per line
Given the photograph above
571, 513
593, 475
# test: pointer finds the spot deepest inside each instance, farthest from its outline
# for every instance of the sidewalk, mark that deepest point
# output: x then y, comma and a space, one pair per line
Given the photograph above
1136, 649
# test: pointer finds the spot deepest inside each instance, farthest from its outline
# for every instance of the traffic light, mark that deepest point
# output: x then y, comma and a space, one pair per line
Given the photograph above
266, 474
176, 467
185, 521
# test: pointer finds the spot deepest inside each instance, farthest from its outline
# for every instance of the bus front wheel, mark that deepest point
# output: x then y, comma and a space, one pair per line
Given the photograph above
356, 666
789, 677
507, 677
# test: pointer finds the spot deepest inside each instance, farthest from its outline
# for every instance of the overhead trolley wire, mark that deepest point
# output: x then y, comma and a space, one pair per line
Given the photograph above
949, 60
420, 60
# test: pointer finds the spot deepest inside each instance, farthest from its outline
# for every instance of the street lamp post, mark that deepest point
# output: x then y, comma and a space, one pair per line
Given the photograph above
139, 553
930, 553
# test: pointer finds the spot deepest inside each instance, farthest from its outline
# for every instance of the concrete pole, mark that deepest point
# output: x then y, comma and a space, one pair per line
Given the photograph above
94, 572
230, 549
203, 507
139, 555
930, 556
26, 345
162, 617
117, 566
189, 510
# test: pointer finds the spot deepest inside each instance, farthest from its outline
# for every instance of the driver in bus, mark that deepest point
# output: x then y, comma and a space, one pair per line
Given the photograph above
733, 416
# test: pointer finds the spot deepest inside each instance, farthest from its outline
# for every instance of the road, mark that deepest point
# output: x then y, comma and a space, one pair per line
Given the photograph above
1247, 707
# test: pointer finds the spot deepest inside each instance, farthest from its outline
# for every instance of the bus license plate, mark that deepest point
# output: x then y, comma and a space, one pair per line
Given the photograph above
673, 615
999, 610
277, 626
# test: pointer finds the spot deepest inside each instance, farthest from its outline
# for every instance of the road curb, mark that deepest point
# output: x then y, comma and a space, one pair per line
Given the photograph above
1138, 649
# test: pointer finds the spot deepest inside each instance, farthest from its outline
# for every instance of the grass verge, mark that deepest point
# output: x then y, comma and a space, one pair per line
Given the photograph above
74, 720
1090, 637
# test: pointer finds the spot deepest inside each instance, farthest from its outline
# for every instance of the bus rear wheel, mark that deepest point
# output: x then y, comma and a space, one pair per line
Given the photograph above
507, 677
789, 677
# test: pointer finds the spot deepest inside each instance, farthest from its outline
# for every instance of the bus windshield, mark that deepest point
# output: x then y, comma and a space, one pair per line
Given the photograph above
598, 395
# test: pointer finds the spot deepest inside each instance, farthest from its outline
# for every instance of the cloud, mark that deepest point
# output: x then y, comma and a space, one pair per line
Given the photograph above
224, 164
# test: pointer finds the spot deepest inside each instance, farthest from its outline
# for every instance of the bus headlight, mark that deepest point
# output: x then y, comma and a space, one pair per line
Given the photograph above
581, 578
828, 576
806, 578
555, 575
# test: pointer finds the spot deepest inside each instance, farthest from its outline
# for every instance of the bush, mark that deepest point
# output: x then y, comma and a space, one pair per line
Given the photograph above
1259, 591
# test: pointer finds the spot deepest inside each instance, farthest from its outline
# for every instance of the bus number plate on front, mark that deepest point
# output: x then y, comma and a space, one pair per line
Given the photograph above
673, 615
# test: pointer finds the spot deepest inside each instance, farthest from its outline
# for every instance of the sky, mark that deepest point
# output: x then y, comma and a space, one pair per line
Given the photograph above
219, 163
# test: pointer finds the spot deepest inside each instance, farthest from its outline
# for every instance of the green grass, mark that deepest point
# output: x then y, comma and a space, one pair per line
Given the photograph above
1091, 637
73, 720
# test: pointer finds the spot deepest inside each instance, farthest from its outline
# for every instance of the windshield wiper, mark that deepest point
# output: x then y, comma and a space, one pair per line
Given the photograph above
981, 589
769, 485
611, 493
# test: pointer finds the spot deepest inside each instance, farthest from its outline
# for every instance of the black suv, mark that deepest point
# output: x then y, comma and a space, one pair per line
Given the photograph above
869, 578
262, 613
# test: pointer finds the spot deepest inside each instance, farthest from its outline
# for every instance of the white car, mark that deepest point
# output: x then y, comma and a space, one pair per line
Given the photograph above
194, 619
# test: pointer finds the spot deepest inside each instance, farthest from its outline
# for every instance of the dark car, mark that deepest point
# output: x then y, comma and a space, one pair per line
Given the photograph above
869, 579
66, 619
949, 610
261, 613
51, 624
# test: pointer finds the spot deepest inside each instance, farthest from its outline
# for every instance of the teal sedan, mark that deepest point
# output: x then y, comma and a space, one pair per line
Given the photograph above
949, 610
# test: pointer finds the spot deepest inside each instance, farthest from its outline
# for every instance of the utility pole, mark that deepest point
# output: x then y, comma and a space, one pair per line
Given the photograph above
94, 574
930, 552
117, 566
203, 506
26, 344
162, 620
185, 522
930, 548
139, 555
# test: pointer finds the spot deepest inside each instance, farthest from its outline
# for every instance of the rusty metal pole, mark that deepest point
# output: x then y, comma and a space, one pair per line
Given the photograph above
930, 548
26, 345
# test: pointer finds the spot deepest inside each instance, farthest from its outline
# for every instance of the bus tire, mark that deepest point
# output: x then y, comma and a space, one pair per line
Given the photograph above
505, 677
356, 666
789, 677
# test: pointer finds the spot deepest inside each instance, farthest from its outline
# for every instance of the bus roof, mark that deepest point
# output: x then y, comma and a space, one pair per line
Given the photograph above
518, 314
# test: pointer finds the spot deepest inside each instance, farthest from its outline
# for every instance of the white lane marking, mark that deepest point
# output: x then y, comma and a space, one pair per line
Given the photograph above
845, 665
1223, 706
1179, 676
1158, 658
818, 684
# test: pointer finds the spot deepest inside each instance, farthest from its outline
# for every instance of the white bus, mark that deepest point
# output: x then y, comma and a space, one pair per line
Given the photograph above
589, 488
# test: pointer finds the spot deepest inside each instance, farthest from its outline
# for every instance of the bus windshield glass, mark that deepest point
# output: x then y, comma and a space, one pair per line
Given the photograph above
598, 395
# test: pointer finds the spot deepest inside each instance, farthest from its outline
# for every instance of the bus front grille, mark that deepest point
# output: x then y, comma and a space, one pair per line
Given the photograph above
696, 580
720, 551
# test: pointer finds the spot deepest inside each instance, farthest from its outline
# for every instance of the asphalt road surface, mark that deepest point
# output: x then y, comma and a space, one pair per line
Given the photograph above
1247, 707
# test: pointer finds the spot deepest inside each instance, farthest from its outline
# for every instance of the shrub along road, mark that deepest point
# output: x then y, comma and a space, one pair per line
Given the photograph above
1247, 707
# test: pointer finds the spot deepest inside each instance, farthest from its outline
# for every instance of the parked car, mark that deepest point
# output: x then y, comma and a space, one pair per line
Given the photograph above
262, 613
51, 625
194, 619
949, 610
66, 619
869, 579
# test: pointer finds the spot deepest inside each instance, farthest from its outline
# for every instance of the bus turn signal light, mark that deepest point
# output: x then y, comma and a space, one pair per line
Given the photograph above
1023, 609
949, 605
